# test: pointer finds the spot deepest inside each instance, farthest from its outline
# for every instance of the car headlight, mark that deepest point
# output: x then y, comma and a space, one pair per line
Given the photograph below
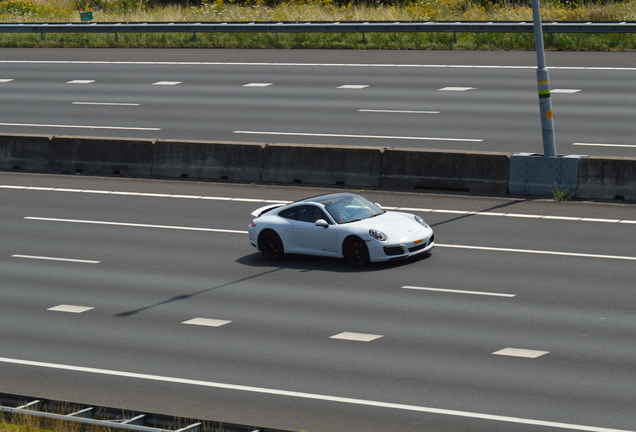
420, 221
378, 235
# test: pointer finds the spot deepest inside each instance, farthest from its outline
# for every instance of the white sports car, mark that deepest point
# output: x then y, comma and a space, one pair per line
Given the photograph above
341, 225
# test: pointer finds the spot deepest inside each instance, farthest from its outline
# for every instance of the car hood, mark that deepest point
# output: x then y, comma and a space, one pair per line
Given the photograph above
395, 225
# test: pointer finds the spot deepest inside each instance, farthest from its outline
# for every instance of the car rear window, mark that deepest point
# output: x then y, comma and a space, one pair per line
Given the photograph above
290, 213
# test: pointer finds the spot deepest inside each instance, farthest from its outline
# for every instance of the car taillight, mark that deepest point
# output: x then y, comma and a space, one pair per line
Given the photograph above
252, 225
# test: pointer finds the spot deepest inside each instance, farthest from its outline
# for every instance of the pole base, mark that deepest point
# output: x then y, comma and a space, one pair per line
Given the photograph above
538, 175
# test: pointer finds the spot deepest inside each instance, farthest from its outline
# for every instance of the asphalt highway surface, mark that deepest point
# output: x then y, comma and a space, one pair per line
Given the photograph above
145, 294
485, 101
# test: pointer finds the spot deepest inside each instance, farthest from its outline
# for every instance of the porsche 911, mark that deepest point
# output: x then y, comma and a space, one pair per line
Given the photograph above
343, 225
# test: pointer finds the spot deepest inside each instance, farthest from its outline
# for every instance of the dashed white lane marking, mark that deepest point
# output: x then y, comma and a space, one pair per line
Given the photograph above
55, 259
457, 89
481, 293
208, 322
80, 126
398, 111
258, 85
353, 86
257, 200
358, 337
6, 80
311, 396
166, 83
106, 103
517, 352
70, 308
357, 136
80, 82
91, 222
565, 91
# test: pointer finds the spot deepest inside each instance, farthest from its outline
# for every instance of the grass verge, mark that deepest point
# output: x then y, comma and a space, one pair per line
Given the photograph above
318, 10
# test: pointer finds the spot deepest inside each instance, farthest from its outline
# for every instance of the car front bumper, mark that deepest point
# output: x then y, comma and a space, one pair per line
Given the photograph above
379, 252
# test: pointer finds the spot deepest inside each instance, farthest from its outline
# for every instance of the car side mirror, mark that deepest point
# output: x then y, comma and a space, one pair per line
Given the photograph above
321, 222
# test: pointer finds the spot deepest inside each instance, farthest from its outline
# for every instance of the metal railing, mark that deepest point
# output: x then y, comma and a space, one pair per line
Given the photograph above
323, 27
53, 414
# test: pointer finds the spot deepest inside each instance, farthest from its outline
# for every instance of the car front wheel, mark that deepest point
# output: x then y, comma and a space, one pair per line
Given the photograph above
270, 245
355, 251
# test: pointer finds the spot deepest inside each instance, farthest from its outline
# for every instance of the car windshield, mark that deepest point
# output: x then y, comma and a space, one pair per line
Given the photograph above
345, 208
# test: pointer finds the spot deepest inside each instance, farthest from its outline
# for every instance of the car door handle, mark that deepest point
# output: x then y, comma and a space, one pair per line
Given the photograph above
298, 230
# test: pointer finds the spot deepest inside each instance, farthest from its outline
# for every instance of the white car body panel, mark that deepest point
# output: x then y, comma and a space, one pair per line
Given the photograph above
315, 240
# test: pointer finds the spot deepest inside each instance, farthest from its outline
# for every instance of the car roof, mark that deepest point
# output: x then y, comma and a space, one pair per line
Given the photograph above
324, 199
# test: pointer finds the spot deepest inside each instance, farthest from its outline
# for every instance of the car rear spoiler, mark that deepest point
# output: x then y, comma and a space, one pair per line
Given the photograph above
263, 210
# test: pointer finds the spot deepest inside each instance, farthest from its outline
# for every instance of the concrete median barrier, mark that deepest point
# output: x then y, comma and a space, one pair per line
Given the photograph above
368, 167
24, 153
101, 156
322, 165
240, 162
607, 178
474, 172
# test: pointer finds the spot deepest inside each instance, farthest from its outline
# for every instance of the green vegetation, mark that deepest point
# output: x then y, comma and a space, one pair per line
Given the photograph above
561, 194
31, 425
4, 427
19, 423
320, 10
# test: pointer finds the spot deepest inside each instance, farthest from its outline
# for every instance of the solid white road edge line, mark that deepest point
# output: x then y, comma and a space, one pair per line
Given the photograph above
604, 145
495, 249
539, 252
80, 127
135, 225
312, 396
398, 111
381, 65
357, 136
409, 209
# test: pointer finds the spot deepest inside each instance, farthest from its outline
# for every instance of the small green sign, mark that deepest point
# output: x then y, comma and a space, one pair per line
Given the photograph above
86, 16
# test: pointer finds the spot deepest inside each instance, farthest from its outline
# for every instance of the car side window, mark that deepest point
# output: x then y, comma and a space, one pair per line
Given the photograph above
290, 213
310, 213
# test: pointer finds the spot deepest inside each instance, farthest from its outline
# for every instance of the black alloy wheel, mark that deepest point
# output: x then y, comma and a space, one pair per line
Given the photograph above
271, 246
355, 251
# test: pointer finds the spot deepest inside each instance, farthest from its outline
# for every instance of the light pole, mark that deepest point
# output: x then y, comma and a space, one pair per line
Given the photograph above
543, 85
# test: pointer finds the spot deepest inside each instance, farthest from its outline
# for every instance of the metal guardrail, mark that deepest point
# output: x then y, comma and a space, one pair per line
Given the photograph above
323, 27
52, 414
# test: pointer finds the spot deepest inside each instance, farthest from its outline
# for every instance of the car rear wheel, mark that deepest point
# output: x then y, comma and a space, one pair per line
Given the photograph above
355, 251
270, 245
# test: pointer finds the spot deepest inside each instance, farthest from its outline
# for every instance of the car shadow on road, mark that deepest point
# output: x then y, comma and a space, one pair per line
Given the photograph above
302, 263
476, 213
306, 263
188, 296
